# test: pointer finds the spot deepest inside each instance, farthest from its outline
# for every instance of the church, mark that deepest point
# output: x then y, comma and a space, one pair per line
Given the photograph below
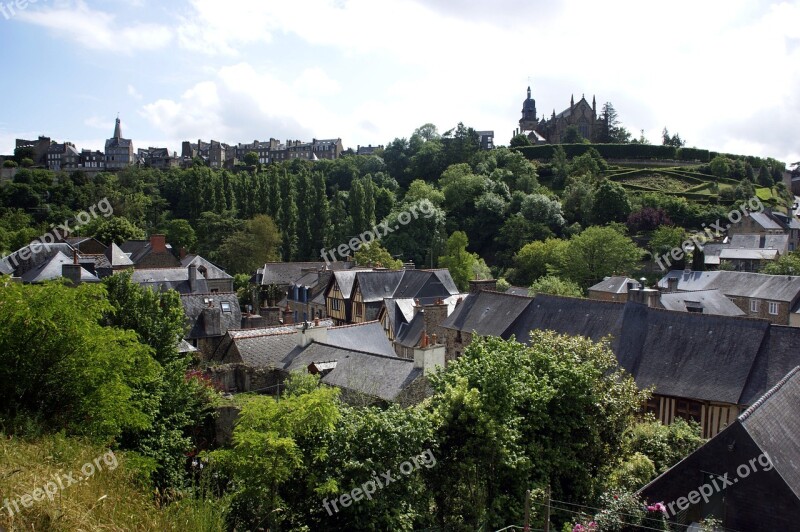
580, 114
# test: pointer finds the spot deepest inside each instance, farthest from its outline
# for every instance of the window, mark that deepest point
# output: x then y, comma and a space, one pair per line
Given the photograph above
754, 304
226, 307
688, 410
652, 406
773, 308
335, 304
359, 310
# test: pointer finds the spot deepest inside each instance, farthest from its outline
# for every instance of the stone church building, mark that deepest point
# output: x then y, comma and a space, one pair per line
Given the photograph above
541, 131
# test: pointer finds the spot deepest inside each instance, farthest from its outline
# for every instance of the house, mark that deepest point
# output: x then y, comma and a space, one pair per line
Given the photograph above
611, 289
406, 321
217, 279
327, 148
37, 263
56, 154
769, 222
152, 253
209, 317
486, 139
358, 296
703, 367
746, 252
40, 147
368, 150
747, 475
119, 151
773, 297
356, 358
159, 158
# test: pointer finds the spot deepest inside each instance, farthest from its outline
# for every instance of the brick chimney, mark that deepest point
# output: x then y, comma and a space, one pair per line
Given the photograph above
434, 315
288, 315
71, 272
476, 285
158, 243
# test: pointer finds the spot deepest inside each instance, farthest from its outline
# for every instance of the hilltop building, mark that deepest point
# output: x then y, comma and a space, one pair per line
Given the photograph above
541, 131
119, 151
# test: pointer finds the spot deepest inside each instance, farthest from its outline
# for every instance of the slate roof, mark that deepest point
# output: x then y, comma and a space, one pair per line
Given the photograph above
748, 254
613, 285
754, 241
193, 305
212, 270
284, 273
374, 375
765, 221
569, 315
117, 257
138, 249
711, 301
743, 284
487, 313
368, 337
13, 263
375, 286
517, 291
52, 269
774, 425
409, 334
169, 279
345, 280
777, 356
399, 311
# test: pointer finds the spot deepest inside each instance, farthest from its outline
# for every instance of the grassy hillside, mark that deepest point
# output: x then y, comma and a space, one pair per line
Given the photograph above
112, 499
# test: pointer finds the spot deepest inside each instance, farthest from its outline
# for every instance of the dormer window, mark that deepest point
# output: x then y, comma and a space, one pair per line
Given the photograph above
226, 307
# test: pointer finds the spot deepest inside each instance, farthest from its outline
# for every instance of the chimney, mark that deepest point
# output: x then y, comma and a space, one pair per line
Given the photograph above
192, 278
272, 315
429, 358
476, 285
72, 272
434, 315
409, 265
308, 333
288, 315
212, 320
417, 306
672, 284
183, 252
158, 243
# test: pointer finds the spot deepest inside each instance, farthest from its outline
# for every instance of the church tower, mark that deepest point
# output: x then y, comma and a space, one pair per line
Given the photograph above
528, 122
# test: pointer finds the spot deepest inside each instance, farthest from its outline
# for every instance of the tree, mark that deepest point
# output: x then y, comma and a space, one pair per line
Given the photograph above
611, 203
665, 239
278, 443
519, 141
8, 163
537, 259
788, 264
560, 166
674, 140
458, 260
572, 136
596, 253
181, 235
540, 209
765, 177
251, 158
61, 367
513, 416
116, 230
419, 190
246, 250
664, 445
720, 166
612, 131
373, 254
550, 284
647, 219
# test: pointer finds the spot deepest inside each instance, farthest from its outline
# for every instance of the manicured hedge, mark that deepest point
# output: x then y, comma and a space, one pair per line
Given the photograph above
606, 151
693, 154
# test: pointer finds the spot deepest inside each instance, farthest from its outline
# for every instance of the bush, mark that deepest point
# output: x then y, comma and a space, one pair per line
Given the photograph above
10, 164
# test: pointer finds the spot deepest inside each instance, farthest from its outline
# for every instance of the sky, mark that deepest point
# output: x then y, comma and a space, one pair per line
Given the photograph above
725, 75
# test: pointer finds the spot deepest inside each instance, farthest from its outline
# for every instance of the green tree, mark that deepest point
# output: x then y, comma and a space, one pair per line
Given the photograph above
115, 229
560, 166
612, 131
764, 177
519, 141
611, 203
251, 158
276, 445
720, 166
288, 218
664, 445
373, 254
61, 367
671, 140
513, 416
788, 264
180, 234
246, 250
550, 284
458, 260
596, 253
572, 136
665, 239
537, 259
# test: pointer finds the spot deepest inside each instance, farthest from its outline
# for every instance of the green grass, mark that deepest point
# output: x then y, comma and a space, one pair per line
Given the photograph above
117, 500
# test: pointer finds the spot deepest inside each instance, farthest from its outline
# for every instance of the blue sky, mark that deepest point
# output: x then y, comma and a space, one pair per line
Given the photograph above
725, 75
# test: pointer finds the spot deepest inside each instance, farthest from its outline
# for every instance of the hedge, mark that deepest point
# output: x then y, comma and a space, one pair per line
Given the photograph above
606, 151
694, 154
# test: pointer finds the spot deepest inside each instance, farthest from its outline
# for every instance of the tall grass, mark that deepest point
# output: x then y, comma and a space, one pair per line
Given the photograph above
109, 500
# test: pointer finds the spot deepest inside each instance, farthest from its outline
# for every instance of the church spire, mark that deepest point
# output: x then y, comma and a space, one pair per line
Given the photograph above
571, 101
118, 129
529, 92
594, 104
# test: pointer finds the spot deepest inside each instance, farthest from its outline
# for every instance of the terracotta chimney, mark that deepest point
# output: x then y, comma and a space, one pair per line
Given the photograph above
158, 243
288, 315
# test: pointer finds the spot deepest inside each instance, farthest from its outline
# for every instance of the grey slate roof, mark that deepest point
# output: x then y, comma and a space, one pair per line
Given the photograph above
375, 286
754, 285
774, 425
194, 304
487, 313
409, 334
748, 254
263, 347
712, 302
569, 315
117, 257
613, 285
284, 273
777, 356
763, 219
517, 291
212, 270
754, 241
168, 279
368, 337
345, 280
373, 375
52, 269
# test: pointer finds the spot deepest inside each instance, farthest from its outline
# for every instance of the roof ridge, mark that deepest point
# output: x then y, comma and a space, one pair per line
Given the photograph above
501, 293
200, 293
360, 351
353, 324
764, 398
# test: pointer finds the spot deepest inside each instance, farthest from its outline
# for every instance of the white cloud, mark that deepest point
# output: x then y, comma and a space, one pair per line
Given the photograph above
133, 93
98, 30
